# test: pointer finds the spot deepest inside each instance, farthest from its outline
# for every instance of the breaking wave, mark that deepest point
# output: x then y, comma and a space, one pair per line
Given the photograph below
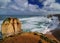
39, 24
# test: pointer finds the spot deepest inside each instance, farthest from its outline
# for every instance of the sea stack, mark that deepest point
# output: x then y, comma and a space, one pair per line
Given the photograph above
10, 27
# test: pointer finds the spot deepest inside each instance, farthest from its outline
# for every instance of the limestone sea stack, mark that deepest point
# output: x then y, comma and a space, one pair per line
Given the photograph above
10, 26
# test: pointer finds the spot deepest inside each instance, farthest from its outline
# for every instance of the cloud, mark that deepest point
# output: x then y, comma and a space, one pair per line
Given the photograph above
55, 5
3, 3
23, 6
48, 2
33, 8
20, 7
50, 6
21, 3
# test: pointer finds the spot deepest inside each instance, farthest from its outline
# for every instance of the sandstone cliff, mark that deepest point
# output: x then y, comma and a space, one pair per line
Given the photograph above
11, 26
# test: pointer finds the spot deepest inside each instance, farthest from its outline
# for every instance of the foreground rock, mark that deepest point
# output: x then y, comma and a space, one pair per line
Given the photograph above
56, 33
28, 38
11, 26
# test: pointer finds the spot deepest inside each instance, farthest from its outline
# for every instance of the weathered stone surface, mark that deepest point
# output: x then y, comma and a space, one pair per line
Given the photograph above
11, 26
29, 37
17, 26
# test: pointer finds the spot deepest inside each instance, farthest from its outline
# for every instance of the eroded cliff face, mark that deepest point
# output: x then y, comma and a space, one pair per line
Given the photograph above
11, 26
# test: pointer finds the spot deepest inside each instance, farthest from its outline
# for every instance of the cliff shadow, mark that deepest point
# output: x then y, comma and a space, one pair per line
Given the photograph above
56, 33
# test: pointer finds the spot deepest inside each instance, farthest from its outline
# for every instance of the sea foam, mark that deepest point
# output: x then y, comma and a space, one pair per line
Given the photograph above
39, 24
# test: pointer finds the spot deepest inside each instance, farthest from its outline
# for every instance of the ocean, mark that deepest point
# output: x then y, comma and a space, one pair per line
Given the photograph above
31, 23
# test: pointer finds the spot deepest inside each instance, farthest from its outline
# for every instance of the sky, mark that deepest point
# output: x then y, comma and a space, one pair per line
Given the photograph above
30, 7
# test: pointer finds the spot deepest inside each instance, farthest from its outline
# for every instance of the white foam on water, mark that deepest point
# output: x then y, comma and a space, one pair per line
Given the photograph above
39, 24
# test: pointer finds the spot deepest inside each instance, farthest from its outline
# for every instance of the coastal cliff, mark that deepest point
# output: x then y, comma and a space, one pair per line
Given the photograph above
11, 26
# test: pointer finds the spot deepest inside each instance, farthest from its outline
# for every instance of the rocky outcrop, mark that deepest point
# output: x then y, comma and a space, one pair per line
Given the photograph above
29, 37
56, 15
11, 26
